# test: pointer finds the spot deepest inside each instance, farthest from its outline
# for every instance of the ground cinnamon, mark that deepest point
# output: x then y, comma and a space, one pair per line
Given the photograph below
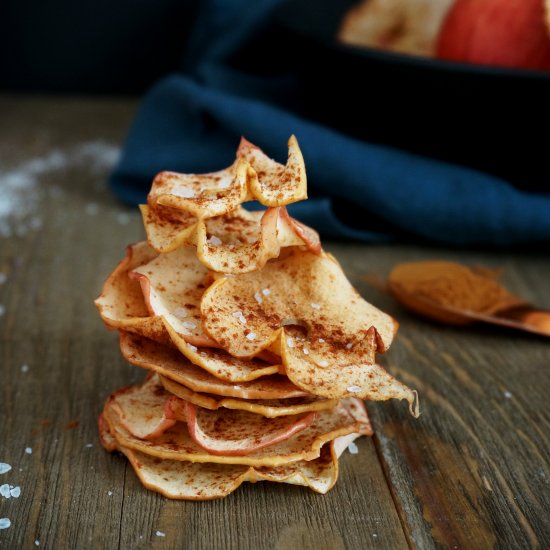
451, 285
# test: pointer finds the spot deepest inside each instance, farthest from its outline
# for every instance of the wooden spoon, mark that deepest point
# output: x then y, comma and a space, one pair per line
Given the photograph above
514, 312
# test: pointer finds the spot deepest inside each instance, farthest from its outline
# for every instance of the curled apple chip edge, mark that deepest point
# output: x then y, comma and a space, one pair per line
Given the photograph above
121, 304
219, 363
147, 402
176, 443
169, 363
219, 240
271, 183
172, 285
202, 195
240, 433
272, 408
203, 481
253, 175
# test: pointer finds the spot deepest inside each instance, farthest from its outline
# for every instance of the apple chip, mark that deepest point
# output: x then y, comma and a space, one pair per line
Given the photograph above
172, 286
176, 443
237, 242
121, 304
300, 289
147, 404
169, 363
108, 442
202, 195
270, 408
240, 433
203, 481
167, 228
360, 380
220, 363
272, 183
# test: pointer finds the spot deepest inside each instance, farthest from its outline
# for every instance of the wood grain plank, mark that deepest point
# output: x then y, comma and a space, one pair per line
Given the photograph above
473, 471
357, 513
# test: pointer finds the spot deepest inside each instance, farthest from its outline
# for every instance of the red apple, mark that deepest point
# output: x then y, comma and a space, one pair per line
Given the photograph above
506, 33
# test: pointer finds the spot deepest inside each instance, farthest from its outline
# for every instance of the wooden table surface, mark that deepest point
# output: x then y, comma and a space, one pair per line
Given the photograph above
471, 472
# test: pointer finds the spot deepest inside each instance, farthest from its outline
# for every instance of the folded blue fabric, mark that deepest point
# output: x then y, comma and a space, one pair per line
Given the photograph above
192, 122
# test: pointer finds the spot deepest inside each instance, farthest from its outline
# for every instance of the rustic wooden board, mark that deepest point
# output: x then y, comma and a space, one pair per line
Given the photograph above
74, 494
472, 472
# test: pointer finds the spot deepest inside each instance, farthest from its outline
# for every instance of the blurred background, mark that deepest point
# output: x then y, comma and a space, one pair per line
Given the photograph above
457, 81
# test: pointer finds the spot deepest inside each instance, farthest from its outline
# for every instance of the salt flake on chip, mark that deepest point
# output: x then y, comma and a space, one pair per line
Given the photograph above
353, 448
4, 468
251, 336
323, 363
354, 389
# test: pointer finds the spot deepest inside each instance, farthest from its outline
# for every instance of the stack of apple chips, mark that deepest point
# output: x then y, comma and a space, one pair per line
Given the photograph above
259, 351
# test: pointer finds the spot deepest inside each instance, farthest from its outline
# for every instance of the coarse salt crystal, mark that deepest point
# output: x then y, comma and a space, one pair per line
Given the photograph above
4, 468
507, 394
4, 523
180, 313
191, 347
323, 363
5, 491
290, 342
258, 297
251, 336
2, 310
37, 542
306, 351
15, 492
242, 320
216, 241
316, 306
24, 368
110, 493
321, 340
160, 534
183, 193
3, 278
349, 345
237, 313
353, 448
266, 292
354, 389
189, 324
88, 445
28, 450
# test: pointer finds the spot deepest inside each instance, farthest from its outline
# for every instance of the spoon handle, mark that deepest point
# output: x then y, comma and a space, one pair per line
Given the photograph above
531, 318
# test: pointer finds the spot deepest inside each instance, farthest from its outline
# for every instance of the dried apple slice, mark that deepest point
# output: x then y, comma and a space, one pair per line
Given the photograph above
300, 289
270, 408
121, 304
169, 363
220, 363
271, 183
360, 380
240, 433
147, 403
108, 442
176, 443
202, 195
202, 481
172, 286
167, 228
237, 242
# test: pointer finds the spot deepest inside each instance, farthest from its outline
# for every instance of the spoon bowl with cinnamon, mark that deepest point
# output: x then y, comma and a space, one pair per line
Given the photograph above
454, 294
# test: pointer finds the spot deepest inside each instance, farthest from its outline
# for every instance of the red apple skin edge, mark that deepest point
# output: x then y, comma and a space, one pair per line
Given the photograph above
504, 33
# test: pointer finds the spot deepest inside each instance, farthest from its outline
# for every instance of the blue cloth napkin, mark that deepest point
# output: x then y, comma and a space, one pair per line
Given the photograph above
192, 122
